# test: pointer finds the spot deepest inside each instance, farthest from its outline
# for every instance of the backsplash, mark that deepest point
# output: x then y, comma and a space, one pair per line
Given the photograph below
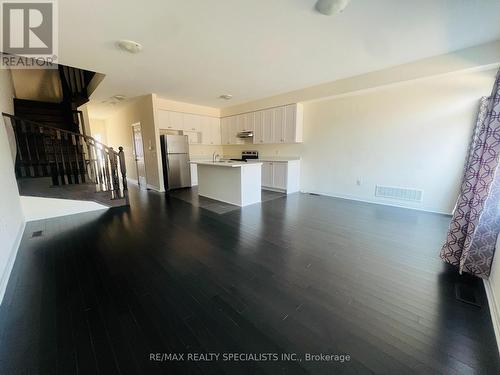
265, 150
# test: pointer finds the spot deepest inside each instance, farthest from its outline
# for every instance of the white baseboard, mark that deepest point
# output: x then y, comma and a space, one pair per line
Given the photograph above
10, 262
348, 197
155, 188
149, 186
495, 314
274, 189
132, 181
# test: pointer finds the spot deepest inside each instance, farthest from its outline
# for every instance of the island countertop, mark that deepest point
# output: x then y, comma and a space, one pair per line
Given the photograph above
230, 181
227, 164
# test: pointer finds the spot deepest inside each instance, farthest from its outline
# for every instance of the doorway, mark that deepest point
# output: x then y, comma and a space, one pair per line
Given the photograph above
139, 155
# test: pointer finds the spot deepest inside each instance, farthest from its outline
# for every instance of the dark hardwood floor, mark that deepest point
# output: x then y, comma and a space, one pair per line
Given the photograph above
97, 293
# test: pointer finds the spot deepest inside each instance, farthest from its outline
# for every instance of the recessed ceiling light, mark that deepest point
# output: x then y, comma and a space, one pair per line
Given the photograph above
329, 7
226, 96
129, 46
120, 97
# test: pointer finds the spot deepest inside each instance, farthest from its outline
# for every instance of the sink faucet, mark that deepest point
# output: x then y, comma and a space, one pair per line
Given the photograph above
215, 157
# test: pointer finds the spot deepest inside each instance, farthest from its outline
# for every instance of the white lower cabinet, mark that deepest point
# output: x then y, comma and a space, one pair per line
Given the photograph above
281, 175
194, 174
267, 174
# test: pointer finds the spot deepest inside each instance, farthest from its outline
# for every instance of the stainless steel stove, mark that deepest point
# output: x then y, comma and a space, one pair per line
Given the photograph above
247, 155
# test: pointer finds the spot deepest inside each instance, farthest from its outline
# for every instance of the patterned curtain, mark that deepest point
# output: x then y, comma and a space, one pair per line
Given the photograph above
474, 228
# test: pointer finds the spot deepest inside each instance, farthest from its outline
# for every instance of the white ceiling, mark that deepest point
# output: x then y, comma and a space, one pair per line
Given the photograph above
195, 50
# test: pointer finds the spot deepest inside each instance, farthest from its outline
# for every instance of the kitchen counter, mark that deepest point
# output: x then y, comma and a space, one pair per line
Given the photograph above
229, 164
233, 182
267, 158
277, 158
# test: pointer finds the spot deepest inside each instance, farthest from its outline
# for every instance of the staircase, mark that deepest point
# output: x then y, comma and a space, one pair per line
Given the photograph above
75, 83
58, 163
58, 115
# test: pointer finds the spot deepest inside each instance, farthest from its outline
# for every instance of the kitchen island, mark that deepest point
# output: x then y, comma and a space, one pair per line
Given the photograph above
233, 182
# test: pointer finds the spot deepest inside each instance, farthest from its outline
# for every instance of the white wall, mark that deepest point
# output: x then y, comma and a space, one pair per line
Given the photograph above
413, 134
473, 58
11, 215
98, 130
119, 133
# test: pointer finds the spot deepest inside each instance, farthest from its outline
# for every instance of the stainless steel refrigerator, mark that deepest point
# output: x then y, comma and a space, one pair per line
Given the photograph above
175, 160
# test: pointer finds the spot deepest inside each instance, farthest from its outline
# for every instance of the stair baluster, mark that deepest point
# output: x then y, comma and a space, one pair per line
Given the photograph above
113, 161
28, 169
54, 165
106, 171
68, 157
100, 176
123, 168
76, 170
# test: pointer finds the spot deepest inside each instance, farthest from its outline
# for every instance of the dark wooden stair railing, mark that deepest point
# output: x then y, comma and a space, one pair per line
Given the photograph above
74, 83
67, 157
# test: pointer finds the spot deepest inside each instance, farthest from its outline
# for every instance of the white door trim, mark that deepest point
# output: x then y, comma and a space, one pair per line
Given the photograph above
132, 126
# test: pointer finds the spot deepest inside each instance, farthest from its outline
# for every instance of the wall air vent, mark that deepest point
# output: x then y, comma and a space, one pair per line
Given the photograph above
399, 193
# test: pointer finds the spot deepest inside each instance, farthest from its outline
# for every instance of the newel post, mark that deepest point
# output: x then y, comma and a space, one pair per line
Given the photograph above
115, 181
123, 168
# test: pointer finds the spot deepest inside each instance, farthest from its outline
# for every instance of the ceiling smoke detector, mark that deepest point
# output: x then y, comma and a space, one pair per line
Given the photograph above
226, 96
329, 7
129, 46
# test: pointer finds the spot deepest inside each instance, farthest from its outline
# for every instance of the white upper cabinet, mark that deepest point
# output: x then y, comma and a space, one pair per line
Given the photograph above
292, 132
164, 120
278, 124
234, 128
248, 121
215, 131
192, 122
258, 135
206, 131
210, 131
267, 126
241, 122
176, 120
200, 129
225, 131
282, 124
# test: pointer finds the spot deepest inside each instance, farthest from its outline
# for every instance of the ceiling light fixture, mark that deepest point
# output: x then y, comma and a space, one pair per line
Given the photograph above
329, 7
120, 98
129, 46
226, 97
